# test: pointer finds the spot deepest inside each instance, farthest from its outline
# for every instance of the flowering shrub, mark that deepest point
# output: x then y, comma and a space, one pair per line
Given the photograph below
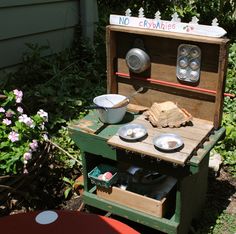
20, 135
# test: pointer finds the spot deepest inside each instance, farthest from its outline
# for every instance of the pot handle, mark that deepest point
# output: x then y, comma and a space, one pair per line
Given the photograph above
94, 107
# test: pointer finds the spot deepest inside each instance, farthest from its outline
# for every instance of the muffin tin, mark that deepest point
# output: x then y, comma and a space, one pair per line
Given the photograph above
188, 63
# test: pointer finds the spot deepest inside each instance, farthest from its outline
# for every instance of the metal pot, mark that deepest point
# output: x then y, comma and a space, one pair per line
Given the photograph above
137, 60
106, 112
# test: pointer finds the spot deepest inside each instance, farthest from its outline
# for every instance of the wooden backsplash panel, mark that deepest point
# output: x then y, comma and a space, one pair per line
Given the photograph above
162, 49
199, 108
167, 72
163, 55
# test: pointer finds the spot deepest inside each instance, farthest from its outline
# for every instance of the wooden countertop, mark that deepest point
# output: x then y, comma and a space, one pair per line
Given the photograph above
193, 136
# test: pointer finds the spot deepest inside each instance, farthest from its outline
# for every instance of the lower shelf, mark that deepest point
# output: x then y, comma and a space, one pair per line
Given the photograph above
162, 224
133, 200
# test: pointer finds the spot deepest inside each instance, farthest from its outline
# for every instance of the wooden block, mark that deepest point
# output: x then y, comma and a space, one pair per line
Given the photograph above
167, 114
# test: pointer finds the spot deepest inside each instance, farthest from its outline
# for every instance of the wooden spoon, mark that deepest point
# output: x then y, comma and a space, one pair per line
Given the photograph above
127, 99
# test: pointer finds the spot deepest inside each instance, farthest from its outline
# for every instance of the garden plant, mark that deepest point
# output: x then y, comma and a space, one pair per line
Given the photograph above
21, 135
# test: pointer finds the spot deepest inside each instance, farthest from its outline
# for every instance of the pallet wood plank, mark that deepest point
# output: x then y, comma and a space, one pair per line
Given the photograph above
163, 34
144, 148
223, 60
192, 137
197, 107
195, 130
111, 55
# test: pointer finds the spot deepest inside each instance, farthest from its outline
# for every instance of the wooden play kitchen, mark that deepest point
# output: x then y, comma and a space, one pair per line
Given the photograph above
154, 186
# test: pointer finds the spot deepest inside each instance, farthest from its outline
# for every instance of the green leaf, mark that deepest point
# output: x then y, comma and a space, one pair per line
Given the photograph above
67, 191
68, 180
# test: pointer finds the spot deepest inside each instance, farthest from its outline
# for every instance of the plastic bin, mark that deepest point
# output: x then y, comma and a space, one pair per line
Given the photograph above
101, 169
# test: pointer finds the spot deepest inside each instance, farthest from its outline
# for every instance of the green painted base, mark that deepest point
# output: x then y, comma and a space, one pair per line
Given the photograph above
161, 224
191, 178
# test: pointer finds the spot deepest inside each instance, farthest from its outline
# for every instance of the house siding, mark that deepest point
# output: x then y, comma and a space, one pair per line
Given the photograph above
43, 22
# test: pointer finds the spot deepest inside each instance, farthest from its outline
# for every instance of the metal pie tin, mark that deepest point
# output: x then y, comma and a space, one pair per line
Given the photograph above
167, 142
137, 60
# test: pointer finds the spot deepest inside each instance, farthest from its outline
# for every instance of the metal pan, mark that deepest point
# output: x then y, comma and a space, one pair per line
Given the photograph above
132, 132
168, 142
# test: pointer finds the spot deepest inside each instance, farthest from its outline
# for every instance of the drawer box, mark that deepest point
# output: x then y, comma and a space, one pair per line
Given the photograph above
138, 202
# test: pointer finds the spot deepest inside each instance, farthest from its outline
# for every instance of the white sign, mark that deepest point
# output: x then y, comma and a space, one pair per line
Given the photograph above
169, 26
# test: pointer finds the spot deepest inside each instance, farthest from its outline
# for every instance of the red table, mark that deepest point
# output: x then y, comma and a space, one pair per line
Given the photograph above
62, 222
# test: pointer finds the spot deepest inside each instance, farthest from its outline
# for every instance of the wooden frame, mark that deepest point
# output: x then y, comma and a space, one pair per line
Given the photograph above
162, 48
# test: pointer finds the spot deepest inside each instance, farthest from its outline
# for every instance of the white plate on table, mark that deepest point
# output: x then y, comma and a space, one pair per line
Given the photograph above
168, 142
132, 132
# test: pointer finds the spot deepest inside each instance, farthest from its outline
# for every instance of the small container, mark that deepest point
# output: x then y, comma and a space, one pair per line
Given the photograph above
132, 132
101, 169
108, 114
167, 142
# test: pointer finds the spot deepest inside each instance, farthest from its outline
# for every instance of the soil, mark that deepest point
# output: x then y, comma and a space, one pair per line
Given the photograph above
221, 198
46, 192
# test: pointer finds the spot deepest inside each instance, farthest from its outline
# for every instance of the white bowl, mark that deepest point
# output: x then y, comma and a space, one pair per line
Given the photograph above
108, 114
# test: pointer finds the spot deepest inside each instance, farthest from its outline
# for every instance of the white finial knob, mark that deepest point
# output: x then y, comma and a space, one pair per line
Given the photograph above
141, 13
215, 22
194, 20
158, 15
128, 12
175, 18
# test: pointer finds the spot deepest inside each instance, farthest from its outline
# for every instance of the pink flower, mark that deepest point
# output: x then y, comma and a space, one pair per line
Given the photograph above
27, 120
30, 123
34, 145
13, 136
43, 114
19, 95
6, 121
9, 113
20, 109
27, 156
23, 118
2, 110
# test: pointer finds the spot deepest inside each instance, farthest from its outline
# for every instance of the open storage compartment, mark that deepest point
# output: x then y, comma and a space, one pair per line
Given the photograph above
141, 189
159, 208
